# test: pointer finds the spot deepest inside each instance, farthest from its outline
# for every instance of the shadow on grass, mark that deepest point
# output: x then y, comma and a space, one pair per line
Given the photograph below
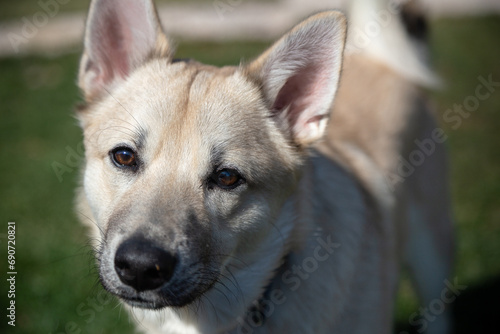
476, 310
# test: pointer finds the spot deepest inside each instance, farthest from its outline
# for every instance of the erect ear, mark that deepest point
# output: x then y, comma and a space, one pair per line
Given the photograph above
299, 75
120, 35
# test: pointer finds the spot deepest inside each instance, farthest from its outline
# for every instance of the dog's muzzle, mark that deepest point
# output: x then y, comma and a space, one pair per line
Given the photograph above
147, 275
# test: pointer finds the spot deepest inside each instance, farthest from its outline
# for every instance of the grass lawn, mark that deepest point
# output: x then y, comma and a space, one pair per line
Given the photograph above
56, 287
463, 51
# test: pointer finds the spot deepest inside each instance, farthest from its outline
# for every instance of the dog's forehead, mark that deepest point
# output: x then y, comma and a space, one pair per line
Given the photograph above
189, 94
187, 105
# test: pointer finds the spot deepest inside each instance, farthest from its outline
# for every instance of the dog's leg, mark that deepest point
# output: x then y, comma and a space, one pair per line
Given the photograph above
430, 233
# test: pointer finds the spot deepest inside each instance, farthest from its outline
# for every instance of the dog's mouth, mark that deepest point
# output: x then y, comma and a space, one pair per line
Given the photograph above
170, 295
140, 302
153, 302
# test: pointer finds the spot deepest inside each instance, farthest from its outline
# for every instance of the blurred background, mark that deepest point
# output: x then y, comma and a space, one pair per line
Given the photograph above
56, 284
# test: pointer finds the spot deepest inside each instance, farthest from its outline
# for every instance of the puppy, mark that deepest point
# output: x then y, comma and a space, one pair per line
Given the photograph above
233, 200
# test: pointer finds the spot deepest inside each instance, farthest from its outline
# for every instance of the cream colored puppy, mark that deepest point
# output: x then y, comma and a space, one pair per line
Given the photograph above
224, 201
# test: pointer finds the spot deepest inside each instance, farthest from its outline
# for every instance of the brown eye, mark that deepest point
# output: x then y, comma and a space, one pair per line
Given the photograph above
124, 157
228, 179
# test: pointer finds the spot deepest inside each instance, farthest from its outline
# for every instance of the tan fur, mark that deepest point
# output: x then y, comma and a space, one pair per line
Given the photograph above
314, 236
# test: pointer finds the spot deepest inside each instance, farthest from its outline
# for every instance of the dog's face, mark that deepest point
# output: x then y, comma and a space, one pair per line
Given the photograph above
185, 158
188, 166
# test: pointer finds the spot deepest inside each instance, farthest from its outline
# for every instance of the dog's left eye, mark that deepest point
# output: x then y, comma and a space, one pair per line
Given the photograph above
124, 157
227, 178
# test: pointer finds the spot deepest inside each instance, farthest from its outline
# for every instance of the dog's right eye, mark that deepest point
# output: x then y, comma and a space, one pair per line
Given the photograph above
124, 157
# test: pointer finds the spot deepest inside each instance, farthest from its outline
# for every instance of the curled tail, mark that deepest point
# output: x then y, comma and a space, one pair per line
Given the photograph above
394, 32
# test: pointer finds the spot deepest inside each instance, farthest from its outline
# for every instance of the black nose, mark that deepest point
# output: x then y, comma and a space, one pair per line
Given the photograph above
142, 265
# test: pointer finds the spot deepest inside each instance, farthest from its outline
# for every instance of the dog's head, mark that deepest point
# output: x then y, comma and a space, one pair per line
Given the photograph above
189, 167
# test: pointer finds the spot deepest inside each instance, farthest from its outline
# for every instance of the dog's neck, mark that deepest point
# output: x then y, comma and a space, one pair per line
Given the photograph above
258, 311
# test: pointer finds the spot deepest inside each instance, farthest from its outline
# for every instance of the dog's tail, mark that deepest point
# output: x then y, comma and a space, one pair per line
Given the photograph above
394, 32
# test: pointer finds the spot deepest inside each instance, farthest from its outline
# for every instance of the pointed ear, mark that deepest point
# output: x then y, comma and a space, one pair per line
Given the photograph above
299, 75
120, 35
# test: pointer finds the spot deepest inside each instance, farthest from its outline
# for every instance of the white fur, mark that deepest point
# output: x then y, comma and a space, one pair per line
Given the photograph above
386, 39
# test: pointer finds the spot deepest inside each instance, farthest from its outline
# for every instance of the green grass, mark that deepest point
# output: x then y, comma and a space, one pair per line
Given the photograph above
56, 276
474, 145
463, 50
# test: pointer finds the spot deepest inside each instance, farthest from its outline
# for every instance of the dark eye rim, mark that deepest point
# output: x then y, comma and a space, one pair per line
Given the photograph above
214, 176
132, 167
